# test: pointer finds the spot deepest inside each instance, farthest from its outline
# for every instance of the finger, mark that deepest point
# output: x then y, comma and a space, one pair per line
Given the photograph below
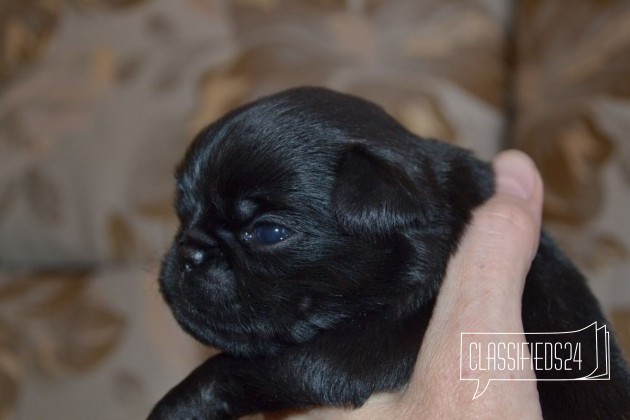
496, 252
497, 249
482, 289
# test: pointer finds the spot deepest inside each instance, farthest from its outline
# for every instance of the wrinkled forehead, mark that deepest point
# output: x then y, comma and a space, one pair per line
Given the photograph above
264, 153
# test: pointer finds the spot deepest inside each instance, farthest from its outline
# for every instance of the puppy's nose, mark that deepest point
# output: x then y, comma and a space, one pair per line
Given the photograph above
192, 256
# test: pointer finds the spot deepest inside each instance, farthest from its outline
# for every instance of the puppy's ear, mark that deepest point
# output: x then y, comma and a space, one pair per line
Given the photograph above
372, 196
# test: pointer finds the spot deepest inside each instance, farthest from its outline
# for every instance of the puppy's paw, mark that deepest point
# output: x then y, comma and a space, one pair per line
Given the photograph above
182, 404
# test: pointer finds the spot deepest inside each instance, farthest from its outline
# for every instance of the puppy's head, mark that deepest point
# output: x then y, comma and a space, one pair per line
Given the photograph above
297, 212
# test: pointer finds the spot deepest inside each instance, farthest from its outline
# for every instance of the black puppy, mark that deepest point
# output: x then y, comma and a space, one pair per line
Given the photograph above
315, 232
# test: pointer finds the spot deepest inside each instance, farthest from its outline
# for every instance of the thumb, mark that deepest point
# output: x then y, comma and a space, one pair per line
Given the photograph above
483, 287
496, 252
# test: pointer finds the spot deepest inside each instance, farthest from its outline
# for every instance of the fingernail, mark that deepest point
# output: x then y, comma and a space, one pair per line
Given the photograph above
515, 173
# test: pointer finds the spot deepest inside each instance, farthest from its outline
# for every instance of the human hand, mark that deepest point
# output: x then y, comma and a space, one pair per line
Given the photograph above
482, 291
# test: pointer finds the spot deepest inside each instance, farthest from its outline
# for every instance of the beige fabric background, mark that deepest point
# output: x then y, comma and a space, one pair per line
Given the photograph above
99, 98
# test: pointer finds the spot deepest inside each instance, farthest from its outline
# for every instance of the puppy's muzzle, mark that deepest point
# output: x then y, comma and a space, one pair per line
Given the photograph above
197, 256
191, 256
195, 249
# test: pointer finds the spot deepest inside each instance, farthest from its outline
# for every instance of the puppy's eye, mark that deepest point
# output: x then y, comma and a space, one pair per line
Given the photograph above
267, 234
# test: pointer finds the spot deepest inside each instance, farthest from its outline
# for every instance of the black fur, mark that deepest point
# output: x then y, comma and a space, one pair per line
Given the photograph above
337, 311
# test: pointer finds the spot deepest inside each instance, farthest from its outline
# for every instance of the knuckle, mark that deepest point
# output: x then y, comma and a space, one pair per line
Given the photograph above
505, 217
